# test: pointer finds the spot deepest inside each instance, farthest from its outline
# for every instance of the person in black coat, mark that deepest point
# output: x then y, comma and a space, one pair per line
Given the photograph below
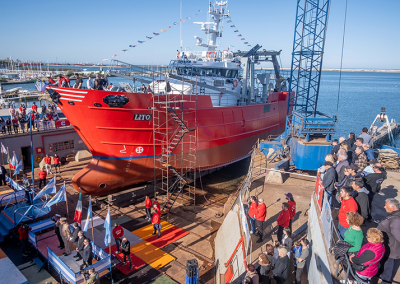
75, 232
281, 270
87, 253
126, 250
56, 219
79, 244
328, 182
3, 173
264, 270
361, 198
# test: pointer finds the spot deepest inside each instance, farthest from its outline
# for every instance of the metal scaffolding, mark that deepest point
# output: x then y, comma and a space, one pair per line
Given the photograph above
175, 145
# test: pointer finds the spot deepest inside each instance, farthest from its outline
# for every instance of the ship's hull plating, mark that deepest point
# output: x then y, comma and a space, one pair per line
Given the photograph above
123, 149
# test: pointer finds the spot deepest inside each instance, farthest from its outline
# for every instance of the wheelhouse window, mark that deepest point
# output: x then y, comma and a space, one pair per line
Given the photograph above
227, 73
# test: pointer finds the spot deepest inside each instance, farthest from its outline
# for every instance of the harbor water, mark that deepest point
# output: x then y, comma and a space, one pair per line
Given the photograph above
362, 94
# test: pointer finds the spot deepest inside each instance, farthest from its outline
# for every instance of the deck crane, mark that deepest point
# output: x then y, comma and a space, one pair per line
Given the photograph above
308, 131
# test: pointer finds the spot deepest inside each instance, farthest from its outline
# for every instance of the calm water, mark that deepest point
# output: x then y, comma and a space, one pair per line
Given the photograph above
361, 97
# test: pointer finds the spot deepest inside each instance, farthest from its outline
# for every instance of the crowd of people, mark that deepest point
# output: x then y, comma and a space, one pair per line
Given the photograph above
274, 263
20, 119
351, 177
100, 82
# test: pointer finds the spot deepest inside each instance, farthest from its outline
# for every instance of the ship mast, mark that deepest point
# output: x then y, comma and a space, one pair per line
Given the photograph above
218, 13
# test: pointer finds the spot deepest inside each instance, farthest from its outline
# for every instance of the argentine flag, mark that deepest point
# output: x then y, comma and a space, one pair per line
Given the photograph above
107, 226
49, 188
60, 196
18, 168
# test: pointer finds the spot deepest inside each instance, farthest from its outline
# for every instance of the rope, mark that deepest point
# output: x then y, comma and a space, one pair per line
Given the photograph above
341, 59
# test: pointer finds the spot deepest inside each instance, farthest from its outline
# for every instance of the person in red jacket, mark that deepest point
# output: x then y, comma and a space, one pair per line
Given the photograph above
42, 178
156, 202
23, 231
66, 79
61, 80
252, 214
47, 163
118, 232
348, 205
292, 208
260, 218
155, 220
148, 208
57, 163
283, 220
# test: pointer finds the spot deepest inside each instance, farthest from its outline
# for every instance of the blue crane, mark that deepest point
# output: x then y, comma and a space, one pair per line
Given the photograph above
308, 132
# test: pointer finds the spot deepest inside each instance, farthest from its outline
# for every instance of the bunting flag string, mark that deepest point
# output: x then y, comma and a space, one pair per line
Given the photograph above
157, 33
237, 31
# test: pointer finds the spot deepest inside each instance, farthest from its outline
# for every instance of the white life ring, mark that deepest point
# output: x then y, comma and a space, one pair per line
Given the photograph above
214, 54
235, 83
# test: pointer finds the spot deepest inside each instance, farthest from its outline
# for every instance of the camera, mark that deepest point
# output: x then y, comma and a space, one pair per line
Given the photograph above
84, 273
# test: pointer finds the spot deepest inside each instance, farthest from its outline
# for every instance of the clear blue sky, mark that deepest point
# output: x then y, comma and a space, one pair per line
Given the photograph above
89, 31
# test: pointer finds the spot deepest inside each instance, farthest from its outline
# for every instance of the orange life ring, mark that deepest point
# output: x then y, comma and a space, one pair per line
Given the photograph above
178, 55
235, 83
212, 52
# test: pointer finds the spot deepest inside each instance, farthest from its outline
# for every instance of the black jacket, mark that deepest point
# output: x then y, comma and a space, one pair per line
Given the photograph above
3, 170
75, 235
390, 228
127, 246
263, 271
363, 202
374, 181
329, 179
87, 253
281, 269
79, 244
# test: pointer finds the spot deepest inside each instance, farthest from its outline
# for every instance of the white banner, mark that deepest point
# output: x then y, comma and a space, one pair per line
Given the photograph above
245, 226
326, 220
45, 125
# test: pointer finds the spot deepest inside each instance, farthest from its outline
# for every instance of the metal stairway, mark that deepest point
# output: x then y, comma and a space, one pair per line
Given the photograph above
177, 139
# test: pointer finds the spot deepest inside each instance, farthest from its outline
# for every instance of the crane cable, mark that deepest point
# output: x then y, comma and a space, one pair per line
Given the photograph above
341, 59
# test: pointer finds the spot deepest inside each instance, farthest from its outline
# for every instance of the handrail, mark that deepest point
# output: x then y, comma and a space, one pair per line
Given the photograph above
10, 193
349, 268
241, 242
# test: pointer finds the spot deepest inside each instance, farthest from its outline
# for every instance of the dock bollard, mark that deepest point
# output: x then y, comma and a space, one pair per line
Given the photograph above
192, 271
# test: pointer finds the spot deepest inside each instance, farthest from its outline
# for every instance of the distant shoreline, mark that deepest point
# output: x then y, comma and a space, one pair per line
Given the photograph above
346, 70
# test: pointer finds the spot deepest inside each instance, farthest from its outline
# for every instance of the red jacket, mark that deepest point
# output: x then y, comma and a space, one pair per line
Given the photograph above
60, 81
284, 218
253, 209
56, 160
47, 160
261, 212
292, 209
23, 233
347, 205
42, 174
118, 232
156, 217
34, 107
148, 203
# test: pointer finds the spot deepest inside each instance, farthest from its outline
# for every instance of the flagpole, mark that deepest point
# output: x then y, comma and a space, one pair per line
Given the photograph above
15, 167
109, 247
32, 161
66, 202
90, 200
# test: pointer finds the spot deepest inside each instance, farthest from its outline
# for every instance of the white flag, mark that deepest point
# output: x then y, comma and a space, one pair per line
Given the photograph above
3, 149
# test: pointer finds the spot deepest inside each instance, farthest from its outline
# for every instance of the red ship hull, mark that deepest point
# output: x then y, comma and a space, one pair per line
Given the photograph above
123, 149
